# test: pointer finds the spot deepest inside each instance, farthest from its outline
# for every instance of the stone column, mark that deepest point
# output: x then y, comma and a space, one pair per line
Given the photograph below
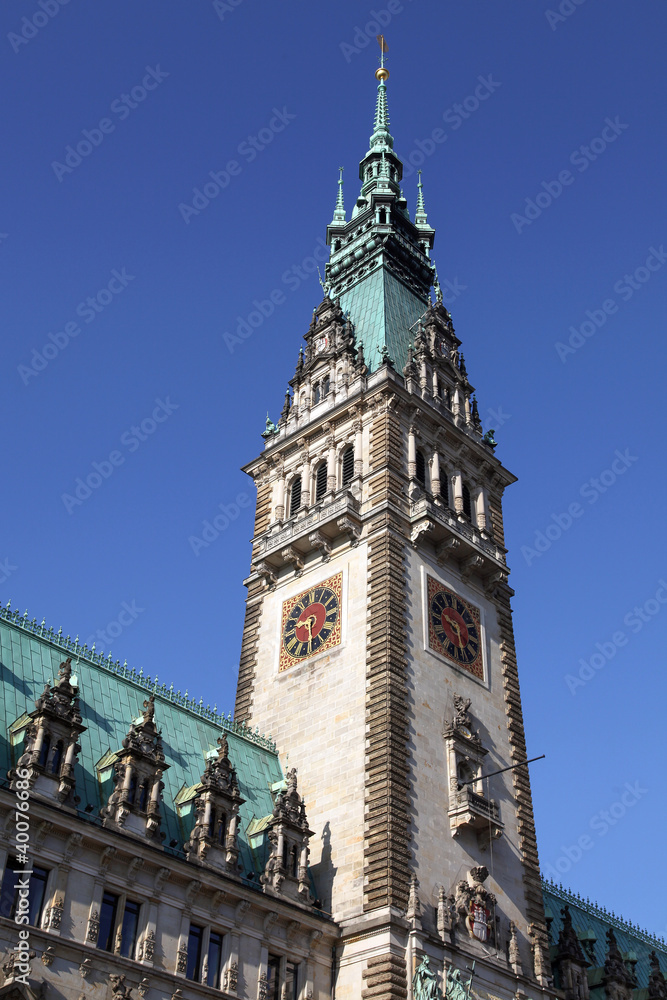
358, 449
467, 409
458, 492
279, 512
412, 454
435, 474
436, 385
481, 508
456, 404
331, 465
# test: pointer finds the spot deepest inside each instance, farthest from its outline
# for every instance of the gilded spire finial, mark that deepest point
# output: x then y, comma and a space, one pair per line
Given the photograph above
382, 74
381, 136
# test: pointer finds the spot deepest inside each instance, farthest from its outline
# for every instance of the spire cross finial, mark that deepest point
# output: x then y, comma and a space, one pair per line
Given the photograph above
382, 74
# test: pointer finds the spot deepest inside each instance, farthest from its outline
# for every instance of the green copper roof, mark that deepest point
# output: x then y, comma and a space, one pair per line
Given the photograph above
591, 922
383, 310
111, 696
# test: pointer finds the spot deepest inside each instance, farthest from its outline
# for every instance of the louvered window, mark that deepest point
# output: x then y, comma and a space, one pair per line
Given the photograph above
421, 468
444, 488
295, 497
467, 506
320, 481
348, 465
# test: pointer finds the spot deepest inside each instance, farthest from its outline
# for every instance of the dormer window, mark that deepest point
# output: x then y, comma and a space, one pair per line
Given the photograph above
444, 488
325, 386
383, 217
295, 497
44, 750
320, 481
316, 393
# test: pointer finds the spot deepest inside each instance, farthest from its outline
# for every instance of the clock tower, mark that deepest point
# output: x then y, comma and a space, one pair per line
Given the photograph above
378, 646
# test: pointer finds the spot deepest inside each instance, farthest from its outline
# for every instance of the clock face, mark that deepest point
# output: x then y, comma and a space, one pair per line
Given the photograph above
311, 622
453, 628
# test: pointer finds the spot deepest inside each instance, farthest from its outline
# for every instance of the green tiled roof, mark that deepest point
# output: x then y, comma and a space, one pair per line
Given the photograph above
111, 697
382, 310
590, 921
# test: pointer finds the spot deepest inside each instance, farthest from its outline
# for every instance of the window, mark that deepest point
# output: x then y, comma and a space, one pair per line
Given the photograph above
214, 959
444, 487
222, 830
193, 968
130, 926
291, 980
107, 921
44, 751
295, 497
273, 977
36, 892
143, 795
132, 790
467, 507
293, 868
316, 393
348, 465
421, 468
57, 758
320, 481
325, 387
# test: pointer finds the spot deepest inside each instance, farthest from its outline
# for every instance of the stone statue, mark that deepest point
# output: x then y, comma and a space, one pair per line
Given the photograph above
424, 984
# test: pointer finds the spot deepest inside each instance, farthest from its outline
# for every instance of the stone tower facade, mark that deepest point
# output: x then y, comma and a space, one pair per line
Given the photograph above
378, 645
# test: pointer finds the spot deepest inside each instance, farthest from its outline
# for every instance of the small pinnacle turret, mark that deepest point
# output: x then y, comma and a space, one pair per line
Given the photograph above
339, 210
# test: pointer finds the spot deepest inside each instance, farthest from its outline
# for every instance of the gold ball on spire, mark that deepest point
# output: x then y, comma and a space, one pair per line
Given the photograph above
382, 74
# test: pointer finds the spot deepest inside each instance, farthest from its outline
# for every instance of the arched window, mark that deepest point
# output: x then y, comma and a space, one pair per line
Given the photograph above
421, 468
316, 393
444, 487
325, 386
132, 790
295, 497
320, 481
285, 858
211, 824
383, 217
222, 830
57, 758
348, 465
44, 752
294, 861
467, 506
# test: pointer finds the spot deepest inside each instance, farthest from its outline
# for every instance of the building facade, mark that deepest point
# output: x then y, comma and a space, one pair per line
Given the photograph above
152, 848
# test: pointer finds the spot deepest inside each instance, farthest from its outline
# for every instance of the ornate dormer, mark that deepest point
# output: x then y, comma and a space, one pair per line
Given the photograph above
51, 746
286, 870
657, 987
214, 837
468, 805
570, 964
134, 804
617, 980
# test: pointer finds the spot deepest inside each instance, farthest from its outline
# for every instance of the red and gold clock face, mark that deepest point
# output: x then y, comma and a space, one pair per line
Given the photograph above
453, 628
311, 622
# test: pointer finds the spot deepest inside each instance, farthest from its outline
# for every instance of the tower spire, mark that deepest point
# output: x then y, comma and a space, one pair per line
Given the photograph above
420, 214
339, 210
381, 136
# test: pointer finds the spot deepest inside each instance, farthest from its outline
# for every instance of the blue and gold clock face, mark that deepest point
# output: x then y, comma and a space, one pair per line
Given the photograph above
453, 628
311, 622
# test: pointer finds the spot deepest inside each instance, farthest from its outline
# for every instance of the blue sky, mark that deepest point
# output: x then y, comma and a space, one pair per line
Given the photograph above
546, 188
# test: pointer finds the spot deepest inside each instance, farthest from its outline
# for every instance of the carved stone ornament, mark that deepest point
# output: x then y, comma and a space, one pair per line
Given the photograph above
475, 905
617, 980
657, 987
55, 913
143, 987
262, 986
93, 931
214, 837
513, 953
181, 961
48, 955
231, 979
149, 946
119, 991
286, 869
85, 968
